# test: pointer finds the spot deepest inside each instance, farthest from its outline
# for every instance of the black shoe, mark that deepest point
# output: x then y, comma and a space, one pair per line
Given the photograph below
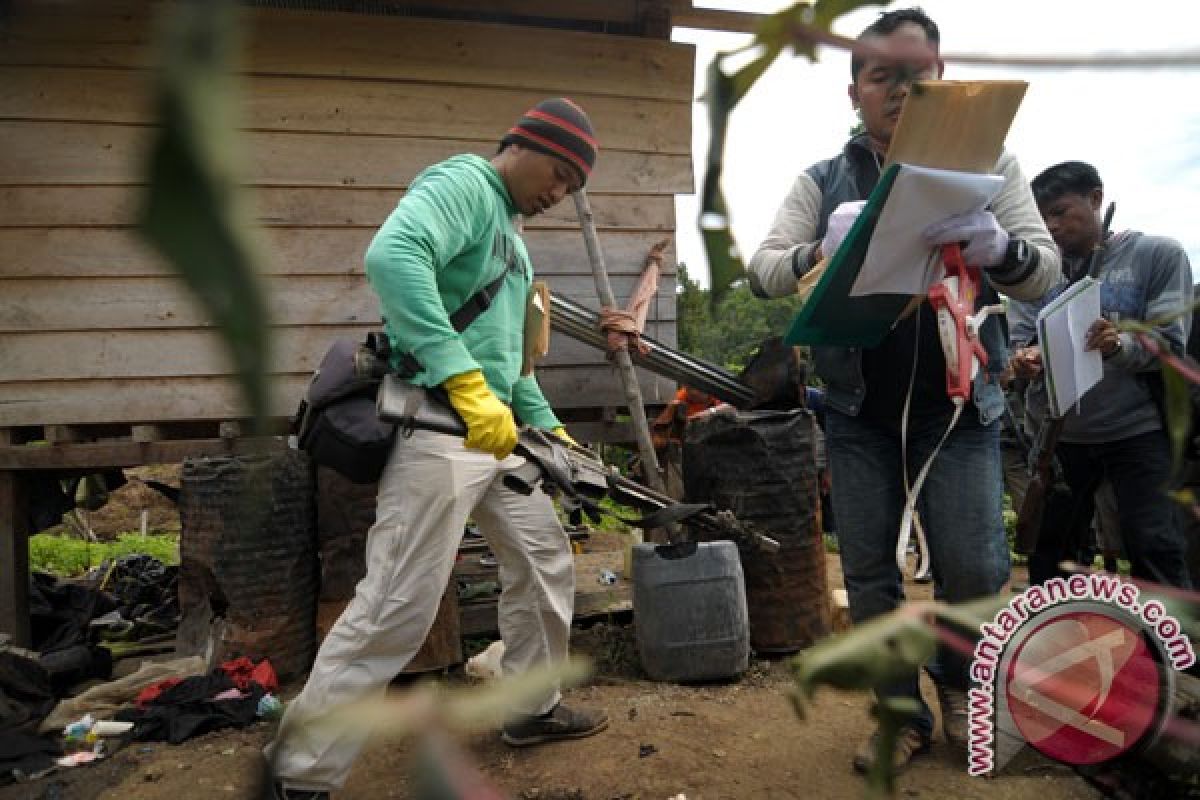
280, 793
910, 743
560, 723
955, 716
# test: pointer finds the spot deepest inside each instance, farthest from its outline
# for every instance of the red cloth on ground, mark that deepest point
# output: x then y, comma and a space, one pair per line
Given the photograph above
243, 671
145, 696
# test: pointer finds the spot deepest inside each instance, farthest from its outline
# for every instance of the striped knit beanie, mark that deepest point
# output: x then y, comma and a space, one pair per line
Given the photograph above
559, 128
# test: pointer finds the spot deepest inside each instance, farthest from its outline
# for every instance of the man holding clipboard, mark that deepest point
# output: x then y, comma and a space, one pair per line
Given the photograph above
1116, 431
871, 391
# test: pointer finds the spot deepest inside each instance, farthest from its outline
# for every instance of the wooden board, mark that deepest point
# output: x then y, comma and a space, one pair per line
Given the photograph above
144, 400
299, 207
88, 153
14, 556
127, 453
38, 305
118, 252
958, 125
301, 104
99, 355
280, 42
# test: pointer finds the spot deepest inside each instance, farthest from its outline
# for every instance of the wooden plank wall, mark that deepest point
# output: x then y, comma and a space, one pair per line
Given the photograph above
340, 112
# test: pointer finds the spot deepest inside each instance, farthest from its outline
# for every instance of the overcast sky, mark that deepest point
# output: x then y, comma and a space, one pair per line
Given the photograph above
1139, 127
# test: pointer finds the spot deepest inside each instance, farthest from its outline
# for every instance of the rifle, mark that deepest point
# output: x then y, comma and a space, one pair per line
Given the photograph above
1045, 473
565, 469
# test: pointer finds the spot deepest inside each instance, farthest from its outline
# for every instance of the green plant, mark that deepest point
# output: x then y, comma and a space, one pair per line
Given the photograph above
68, 557
610, 513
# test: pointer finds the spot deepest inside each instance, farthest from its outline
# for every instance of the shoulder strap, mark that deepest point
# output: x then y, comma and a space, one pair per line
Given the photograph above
461, 319
476, 304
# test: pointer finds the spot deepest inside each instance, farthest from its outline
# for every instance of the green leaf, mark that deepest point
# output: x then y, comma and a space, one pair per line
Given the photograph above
193, 209
868, 656
1178, 402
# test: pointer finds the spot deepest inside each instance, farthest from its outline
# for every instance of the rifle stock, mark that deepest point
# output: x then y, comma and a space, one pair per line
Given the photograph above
1042, 480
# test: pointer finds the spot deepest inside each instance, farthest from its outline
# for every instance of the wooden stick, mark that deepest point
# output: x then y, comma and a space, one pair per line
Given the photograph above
633, 392
14, 554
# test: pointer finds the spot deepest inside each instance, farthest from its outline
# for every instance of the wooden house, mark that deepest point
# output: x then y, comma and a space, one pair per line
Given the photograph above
103, 354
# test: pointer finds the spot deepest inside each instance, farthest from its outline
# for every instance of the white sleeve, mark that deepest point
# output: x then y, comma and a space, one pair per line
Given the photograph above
786, 253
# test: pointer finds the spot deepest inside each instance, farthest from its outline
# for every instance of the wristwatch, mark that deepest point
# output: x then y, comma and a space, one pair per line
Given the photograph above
1017, 253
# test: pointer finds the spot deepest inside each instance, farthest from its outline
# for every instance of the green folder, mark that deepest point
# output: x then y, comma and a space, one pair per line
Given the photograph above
831, 316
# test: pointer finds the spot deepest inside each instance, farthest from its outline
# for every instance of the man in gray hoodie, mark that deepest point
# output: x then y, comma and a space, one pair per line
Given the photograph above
1116, 431
886, 408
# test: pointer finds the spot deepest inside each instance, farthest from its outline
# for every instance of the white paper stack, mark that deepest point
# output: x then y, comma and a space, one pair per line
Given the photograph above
1070, 370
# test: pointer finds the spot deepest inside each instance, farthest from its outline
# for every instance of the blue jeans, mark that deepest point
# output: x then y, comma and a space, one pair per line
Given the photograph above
962, 511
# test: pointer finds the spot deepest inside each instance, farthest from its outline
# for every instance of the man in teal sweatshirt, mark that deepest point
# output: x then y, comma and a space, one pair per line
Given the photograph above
455, 233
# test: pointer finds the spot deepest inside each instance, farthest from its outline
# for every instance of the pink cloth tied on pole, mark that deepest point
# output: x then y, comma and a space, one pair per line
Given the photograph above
623, 329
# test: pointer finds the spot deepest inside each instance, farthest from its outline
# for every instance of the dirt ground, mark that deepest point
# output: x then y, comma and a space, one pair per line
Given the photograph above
733, 740
737, 740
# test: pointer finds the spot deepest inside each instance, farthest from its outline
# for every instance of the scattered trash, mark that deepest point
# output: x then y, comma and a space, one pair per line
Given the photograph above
77, 758
718, 753
476, 589
79, 728
607, 577
270, 707
111, 727
645, 750
486, 665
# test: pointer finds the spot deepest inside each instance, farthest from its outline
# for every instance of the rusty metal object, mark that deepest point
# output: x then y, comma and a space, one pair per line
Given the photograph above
761, 466
345, 512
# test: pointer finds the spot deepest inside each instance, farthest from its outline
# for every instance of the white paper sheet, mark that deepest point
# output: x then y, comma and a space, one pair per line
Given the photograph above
898, 261
1062, 332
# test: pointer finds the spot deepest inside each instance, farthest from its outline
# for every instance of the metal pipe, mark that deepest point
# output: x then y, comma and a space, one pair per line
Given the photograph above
583, 325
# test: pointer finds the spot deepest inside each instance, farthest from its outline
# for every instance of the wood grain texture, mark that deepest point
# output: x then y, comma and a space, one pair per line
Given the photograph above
298, 206
279, 42
96, 331
75, 153
147, 400
113, 252
300, 104
190, 352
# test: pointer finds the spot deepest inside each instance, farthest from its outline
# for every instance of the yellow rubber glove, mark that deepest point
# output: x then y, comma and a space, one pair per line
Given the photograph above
490, 424
561, 433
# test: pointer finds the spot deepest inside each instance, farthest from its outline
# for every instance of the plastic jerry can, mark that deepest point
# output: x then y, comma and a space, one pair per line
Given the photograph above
689, 605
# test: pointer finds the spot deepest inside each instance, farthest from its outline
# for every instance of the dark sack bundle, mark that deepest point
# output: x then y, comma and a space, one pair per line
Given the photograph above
338, 425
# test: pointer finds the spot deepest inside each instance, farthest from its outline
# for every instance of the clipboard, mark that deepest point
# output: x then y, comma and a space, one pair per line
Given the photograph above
831, 316
957, 125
